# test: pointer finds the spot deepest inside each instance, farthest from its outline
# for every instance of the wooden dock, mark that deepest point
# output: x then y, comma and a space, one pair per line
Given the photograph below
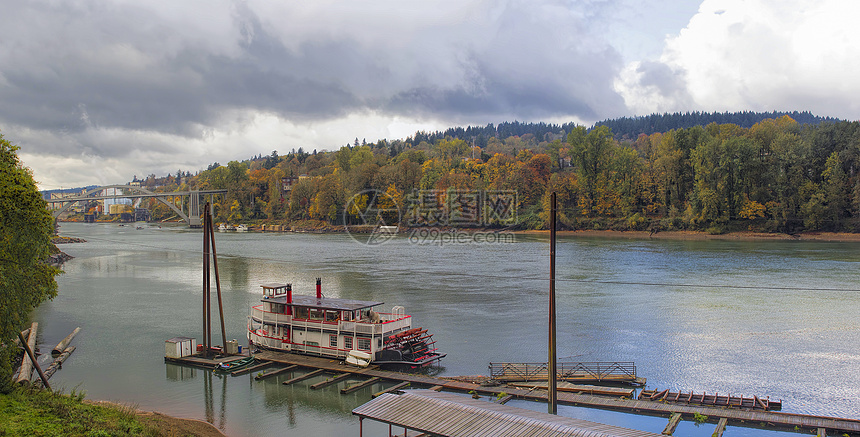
735, 416
578, 388
716, 399
205, 363
616, 372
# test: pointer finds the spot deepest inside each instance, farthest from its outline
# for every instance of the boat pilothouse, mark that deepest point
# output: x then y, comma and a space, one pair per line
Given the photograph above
338, 328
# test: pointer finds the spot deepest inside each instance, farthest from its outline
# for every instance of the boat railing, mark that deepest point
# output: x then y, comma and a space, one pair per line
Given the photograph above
388, 323
270, 317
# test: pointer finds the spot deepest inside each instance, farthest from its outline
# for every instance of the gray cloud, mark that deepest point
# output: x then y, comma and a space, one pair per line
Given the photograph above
153, 86
99, 64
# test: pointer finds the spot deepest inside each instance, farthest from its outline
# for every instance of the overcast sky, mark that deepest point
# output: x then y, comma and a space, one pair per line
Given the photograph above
97, 91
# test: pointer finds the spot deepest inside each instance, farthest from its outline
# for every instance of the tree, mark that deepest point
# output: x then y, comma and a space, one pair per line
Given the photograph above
26, 226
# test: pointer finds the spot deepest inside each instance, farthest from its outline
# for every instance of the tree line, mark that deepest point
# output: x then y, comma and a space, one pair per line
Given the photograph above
776, 176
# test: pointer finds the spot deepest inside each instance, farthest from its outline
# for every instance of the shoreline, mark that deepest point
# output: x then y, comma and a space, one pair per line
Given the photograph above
312, 227
166, 424
698, 235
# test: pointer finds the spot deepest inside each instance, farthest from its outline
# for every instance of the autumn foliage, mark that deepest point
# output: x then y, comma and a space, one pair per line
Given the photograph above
776, 176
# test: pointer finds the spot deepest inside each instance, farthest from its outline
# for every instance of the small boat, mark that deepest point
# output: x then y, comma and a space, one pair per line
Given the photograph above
241, 228
344, 329
358, 358
234, 365
222, 227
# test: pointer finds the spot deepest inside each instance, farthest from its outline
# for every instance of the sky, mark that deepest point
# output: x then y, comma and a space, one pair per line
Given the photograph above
95, 92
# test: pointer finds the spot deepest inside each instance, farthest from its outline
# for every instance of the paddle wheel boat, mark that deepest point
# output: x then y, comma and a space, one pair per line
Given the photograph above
345, 329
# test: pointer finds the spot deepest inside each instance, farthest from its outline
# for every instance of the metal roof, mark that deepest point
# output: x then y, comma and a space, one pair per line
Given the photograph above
327, 303
447, 414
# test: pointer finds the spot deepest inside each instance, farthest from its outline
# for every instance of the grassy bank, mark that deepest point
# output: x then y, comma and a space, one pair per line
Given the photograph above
31, 412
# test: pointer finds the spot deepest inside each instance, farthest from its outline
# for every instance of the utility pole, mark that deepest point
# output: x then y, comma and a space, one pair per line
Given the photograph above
551, 371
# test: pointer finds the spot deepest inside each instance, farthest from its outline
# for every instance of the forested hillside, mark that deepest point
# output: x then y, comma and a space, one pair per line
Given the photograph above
777, 176
632, 127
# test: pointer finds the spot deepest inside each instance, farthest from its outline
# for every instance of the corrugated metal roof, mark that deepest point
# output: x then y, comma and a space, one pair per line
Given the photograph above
450, 415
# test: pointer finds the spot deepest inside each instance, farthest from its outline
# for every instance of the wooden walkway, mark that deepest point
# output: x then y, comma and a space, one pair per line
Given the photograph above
716, 399
735, 417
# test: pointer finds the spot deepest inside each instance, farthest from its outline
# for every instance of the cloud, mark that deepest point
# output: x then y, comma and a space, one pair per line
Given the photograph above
169, 67
754, 55
129, 84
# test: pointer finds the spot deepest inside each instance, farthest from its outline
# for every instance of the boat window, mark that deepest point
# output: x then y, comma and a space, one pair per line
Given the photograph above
332, 340
301, 313
347, 342
346, 315
331, 316
316, 314
364, 344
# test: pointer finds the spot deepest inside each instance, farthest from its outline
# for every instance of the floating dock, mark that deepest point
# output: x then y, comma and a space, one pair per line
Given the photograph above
197, 360
616, 372
728, 401
715, 414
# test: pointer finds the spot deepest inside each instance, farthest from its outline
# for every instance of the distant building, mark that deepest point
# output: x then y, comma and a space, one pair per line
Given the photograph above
287, 183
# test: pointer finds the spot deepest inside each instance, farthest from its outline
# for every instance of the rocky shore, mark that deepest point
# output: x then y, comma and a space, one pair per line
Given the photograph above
59, 257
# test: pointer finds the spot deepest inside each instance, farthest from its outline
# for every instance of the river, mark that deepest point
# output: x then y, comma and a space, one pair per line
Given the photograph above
766, 318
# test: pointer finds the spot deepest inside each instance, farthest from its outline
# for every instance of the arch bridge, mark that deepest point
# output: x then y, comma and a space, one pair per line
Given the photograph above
191, 216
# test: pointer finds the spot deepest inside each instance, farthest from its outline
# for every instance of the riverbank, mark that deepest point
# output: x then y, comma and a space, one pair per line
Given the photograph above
694, 235
27, 411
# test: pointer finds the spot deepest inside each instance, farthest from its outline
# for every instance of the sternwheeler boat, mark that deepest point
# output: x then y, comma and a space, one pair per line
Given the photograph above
345, 329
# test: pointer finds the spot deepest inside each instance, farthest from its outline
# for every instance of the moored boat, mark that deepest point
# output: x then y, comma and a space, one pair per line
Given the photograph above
234, 365
345, 329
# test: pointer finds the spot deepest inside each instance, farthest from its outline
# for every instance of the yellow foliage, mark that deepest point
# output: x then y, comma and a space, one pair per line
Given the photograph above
752, 210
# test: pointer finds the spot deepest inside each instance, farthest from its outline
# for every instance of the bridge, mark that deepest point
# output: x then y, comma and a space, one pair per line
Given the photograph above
192, 216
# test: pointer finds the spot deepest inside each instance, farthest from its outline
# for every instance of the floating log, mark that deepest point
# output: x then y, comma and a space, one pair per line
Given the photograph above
25, 333
26, 363
35, 363
58, 363
62, 345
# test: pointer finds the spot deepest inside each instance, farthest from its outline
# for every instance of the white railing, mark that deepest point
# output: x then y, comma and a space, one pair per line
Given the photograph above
391, 322
266, 316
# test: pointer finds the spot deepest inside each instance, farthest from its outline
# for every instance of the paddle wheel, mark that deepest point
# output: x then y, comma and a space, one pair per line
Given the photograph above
413, 347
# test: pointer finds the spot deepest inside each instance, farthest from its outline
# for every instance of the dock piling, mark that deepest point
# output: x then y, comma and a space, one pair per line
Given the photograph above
305, 376
331, 381
360, 385
275, 372
391, 389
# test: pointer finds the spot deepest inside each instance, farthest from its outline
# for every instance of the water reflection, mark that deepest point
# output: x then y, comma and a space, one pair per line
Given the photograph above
131, 291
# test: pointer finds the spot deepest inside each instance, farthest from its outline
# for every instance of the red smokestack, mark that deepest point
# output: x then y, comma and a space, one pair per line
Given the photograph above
289, 299
319, 288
